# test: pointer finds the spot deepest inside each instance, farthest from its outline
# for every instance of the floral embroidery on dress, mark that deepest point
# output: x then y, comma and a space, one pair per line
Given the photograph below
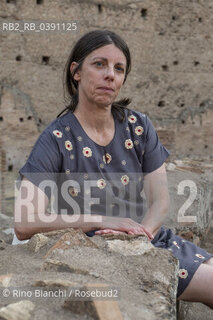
101, 165
86, 176
87, 152
73, 191
139, 130
136, 142
79, 138
58, 133
175, 243
125, 179
128, 144
67, 171
132, 119
101, 183
67, 129
68, 145
199, 256
72, 156
107, 158
123, 162
183, 273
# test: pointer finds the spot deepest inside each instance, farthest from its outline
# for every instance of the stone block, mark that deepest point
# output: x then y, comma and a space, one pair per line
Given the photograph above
71, 239
37, 242
97, 309
21, 310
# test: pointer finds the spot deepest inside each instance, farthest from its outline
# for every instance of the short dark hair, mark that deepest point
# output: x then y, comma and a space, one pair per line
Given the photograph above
83, 47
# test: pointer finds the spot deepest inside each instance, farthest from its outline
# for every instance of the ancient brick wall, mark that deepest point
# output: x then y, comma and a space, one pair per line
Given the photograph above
171, 79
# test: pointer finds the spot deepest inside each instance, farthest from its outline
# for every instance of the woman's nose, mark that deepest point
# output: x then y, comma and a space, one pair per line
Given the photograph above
110, 72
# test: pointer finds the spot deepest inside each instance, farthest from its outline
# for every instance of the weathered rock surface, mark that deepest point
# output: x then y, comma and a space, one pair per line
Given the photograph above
148, 273
21, 310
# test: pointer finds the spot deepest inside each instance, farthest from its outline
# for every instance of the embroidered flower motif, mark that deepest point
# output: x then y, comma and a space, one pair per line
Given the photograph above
183, 240
86, 176
199, 256
101, 183
128, 144
67, 171
67, 128
107, 158
175, 243
139, 130
87, 152
79, 138
127, 129
72, 156
125, 179
123, 162
136, 142
57, 133
101, 165
68, 145
132, 119
183, 273
73, 191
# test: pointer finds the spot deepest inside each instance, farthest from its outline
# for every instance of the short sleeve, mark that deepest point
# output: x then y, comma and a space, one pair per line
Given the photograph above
155, 153
44, 161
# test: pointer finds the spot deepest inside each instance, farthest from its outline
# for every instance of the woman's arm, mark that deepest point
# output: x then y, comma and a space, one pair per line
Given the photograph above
157, 195
31, 216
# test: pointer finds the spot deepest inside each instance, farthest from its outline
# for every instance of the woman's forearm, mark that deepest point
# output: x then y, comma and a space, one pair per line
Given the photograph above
35, 223
155, 216
30, 225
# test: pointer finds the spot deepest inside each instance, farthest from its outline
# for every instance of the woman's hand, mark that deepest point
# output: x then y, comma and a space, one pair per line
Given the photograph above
122, 225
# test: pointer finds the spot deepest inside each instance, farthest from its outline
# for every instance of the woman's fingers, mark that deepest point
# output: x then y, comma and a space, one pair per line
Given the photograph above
106, 231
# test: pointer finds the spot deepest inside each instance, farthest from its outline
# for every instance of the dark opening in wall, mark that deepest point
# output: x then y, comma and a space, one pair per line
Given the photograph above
1, 118
11, 1
183, 121
45, 59
29, 117
206, 146
165, 67
174, 17
18, 58
21, 119
99, 8
10, 167
196, 63
161, 103
143, 12
39, 1
200, 19
175, 62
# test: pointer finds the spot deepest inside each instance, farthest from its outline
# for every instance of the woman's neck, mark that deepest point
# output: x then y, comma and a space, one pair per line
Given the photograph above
95, 117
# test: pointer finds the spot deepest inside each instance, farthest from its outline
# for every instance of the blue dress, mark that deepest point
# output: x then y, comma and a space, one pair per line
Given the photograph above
80, 176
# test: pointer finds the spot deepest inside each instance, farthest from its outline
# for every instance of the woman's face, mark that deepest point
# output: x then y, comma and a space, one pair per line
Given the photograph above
101, 75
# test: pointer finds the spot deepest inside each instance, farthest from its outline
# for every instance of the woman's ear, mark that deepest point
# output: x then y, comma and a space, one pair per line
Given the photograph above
73, 66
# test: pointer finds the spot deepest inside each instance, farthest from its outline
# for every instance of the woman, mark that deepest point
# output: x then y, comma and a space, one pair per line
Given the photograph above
99, 156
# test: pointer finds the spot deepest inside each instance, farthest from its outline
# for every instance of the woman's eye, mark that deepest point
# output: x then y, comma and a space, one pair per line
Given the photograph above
98, 63
120, 69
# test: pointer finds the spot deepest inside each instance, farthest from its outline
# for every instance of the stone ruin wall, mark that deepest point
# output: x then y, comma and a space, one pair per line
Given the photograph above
171, 80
